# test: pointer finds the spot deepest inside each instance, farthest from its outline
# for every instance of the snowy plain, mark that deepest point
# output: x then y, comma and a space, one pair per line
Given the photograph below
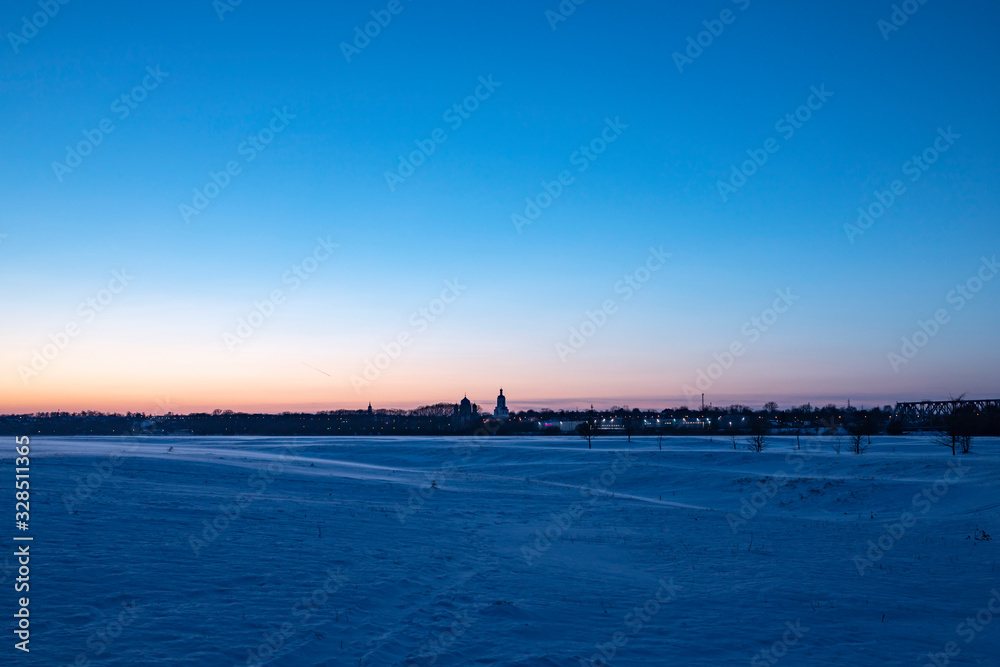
509, 551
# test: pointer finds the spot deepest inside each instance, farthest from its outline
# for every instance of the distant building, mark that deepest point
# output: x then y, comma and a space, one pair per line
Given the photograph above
464, 413
500, 411
564, 426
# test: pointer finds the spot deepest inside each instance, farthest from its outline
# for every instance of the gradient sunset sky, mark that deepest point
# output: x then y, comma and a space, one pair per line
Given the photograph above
341, 118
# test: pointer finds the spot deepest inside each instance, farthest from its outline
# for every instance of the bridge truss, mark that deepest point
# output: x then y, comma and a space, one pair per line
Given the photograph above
931, 413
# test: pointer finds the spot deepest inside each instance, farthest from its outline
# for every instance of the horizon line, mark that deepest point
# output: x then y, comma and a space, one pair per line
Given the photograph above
551, 405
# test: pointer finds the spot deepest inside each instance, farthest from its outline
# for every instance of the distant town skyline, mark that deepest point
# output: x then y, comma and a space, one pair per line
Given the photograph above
487, 403
322, 206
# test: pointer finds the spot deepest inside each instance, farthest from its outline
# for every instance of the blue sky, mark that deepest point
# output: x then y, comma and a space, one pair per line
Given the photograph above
324, 175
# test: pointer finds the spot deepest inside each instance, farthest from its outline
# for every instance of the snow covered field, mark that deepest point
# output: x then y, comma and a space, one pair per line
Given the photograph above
403, 551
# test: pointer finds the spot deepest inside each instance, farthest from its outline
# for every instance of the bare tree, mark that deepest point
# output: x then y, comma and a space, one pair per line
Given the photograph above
965, 426
757, 441
959, 427
946, 440
859, 435
587, 431
856, 441
628, 423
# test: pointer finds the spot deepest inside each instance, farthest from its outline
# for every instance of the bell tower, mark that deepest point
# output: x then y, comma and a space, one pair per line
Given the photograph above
500, 411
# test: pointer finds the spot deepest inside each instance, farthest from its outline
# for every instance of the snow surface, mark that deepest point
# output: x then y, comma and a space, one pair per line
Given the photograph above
410, 551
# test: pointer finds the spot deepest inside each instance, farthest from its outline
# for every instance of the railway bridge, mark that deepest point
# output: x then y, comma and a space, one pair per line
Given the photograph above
929, 414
